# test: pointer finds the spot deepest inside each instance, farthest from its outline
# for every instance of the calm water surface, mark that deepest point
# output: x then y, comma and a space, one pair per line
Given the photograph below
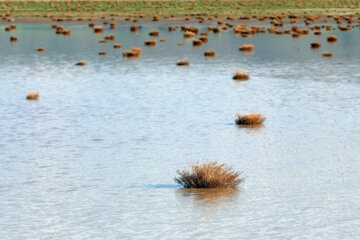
95, 157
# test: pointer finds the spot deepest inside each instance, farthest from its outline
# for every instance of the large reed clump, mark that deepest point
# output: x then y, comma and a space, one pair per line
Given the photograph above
209, 175
252, 118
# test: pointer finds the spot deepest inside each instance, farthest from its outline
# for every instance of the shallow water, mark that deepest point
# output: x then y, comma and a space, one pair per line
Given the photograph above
95, 157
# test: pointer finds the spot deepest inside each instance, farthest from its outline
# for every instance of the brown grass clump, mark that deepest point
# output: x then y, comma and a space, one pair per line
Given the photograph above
32, 96
134, 28
197, 43
315, 45
82, 63
40, 49
134, 53
209, 175
210, 53
241, 76
98, 29
13, 39
252, 118
117, 46
183, 63
332, 39
247, 47
150, 43
154, 33
327, 54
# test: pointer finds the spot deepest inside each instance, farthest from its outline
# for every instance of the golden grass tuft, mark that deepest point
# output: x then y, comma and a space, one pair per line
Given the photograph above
241, 76
154, 33
40, 49
197, 43
13, 39
210, 53
327, 54
98, 29
252, 118
209, 175
82, 63
247, 47
133, 53
183, 63
117, 46
315, 45
32, 96
151, 43
332, 39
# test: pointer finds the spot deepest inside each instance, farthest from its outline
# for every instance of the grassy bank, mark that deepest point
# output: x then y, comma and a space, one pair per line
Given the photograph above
180, 8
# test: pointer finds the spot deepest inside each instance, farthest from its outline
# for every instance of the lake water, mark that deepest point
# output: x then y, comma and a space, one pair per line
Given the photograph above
95, 157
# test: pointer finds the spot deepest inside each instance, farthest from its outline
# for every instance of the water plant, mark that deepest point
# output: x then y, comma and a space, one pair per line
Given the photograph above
32, 96
252, 118
209, 175
183, 63
241, 76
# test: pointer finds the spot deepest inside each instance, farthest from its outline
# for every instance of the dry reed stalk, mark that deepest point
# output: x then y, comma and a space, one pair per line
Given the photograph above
209, 175
252, 118
32, 96
241, 76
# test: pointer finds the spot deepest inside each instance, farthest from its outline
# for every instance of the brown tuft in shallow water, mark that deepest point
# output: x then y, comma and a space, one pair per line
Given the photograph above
252, 118
315, 45
209, 175
241, 76
32, 96
210, 53
82, 63
183, 63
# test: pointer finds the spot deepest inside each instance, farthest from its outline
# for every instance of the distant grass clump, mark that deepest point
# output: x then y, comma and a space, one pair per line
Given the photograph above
209, 175
252, 118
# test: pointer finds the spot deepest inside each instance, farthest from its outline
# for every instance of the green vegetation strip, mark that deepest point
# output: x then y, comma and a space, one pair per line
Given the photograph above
179, 8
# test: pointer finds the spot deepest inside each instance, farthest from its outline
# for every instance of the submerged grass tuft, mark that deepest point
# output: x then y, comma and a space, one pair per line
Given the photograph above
209, 175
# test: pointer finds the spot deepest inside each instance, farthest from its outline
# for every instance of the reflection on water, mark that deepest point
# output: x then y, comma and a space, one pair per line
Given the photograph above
209, 196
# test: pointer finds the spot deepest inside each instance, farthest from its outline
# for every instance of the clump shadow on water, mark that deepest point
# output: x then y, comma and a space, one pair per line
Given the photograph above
209, 196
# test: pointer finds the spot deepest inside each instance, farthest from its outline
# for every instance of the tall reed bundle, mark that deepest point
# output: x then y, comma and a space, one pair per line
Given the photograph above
252, 118
209, 175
